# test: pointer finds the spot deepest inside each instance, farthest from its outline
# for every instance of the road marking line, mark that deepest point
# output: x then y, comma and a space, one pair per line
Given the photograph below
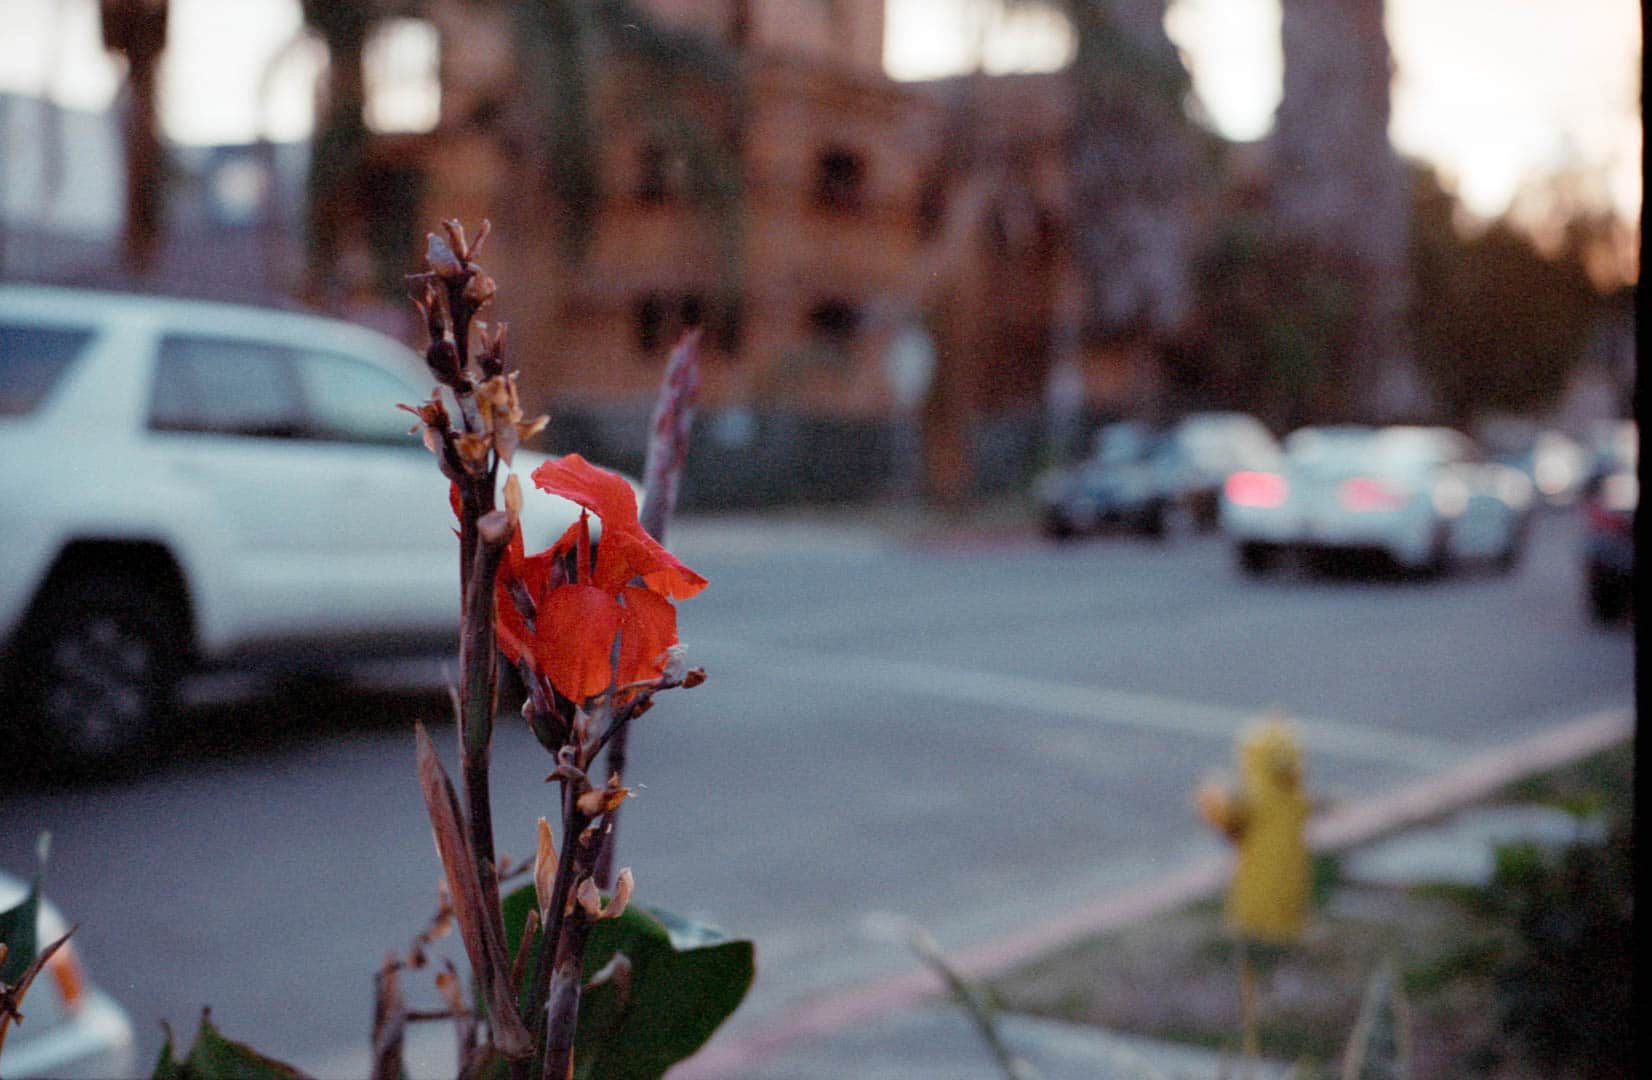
1121, 708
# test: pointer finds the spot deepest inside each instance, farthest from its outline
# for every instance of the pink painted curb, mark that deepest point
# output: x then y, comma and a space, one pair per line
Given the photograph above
1336, 828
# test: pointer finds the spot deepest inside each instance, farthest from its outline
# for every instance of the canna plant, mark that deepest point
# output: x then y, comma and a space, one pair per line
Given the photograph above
567, 983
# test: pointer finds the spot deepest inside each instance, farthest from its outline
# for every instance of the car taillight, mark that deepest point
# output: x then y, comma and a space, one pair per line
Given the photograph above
65, 971
1605, 520
1362, 493
1262, 489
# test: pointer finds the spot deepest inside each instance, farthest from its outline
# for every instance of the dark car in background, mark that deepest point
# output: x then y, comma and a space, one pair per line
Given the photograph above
1611, 498
1153, 480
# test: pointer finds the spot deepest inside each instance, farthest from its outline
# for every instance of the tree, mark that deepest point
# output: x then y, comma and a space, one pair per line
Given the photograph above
1500, 325
136, 29
1137, 166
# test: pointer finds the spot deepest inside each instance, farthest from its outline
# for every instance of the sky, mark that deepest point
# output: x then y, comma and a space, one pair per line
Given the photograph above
1491, 91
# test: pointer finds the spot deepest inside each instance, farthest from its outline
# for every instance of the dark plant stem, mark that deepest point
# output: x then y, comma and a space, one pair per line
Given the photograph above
556, 918
477, 665
566, 980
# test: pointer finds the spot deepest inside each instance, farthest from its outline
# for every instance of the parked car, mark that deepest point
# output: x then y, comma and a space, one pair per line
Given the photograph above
1205, 449
1419, 495
1144, 479
69, 1026
192, 484
1610, 501
1117, 486
1554, 462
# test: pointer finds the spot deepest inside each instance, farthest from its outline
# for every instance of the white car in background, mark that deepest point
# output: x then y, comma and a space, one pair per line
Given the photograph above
1419, 495
192, 484
70, 1027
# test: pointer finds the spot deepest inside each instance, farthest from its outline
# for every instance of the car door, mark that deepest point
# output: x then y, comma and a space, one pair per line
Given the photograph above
228, 421
389, 515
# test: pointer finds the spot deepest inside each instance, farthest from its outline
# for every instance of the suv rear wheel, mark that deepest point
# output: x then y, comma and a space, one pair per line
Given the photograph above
96, 668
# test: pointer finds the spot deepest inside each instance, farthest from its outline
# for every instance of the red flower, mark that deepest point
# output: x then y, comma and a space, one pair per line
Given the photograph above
604, 625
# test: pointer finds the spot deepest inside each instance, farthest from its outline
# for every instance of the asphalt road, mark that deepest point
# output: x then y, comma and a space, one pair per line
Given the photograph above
969, 734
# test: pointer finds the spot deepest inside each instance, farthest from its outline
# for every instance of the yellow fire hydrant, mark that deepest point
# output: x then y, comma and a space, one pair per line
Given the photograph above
1268, 897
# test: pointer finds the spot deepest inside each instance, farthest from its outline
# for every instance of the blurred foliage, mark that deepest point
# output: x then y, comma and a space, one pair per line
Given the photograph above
562, 44
334, 183
1137, 162
1498, 324
1275, 316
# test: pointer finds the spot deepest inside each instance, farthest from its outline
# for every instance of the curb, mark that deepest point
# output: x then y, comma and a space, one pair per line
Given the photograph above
1342, 827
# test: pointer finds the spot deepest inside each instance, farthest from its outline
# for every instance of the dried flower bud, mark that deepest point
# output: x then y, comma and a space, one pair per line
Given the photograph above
599, 801
492, 355
675, 667
473, 451
440, 255
447, 984
513, 497
527, 429
498, 392
480, 289
442, 358
544, 867
622, 895
694, 678
589, 898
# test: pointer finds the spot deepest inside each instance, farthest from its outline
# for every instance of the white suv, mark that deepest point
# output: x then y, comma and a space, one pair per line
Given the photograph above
188, 483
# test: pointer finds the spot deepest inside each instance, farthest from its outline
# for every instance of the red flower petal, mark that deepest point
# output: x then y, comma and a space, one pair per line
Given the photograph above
626, 550
605, 494
632, 553
574, 639
648, 628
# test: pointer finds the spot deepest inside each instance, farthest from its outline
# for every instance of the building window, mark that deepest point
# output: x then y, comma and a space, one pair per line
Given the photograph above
840, 179
650, 316
693, 310
834, 321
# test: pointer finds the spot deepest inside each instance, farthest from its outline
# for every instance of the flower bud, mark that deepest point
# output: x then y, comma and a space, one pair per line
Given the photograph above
544, 868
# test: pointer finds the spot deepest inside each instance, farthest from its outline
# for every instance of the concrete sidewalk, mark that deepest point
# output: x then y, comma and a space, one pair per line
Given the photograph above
902, 1028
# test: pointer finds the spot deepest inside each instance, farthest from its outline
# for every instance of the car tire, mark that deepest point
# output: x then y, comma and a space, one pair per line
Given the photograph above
1154, 521
97, 666
1606, 599
1257, 560
1438, 563
1057, 527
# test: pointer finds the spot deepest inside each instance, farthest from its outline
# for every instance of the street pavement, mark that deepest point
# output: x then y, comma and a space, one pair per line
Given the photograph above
962, 731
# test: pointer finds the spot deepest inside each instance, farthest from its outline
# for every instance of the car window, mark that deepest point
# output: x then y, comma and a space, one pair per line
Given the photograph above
351, 400
225, 386
32, 360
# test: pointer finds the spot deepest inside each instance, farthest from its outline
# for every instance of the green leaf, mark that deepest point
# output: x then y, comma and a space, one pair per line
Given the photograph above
167, 1068
685, 980
214, 1057
18, 927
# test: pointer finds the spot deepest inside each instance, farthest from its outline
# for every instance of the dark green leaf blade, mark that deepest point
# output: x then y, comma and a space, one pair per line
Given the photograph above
19, 926
214, 1057
677, 997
